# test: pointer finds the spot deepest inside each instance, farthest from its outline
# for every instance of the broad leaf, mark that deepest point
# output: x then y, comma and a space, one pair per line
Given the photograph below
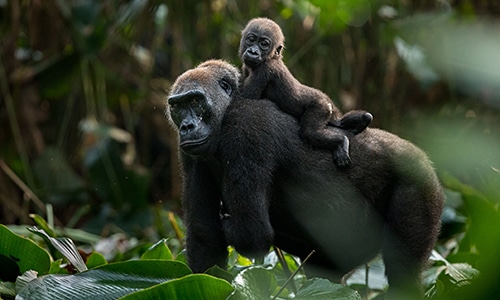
159, 250
196, 286
95, 259
318, 288
220, 273
18, 255
110, 281
254, 283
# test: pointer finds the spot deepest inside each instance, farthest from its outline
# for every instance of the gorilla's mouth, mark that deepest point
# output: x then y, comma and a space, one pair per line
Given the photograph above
252, 61
186, 145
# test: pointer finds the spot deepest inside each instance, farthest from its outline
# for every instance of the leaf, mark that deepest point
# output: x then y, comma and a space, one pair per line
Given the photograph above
196, 286
110, 281
55, 267
10, 269
23, 252
220, 273
95, 260
65, 246
254, 283
159, 250
40, 221
459, 273
483, 216
181, 256
318, 288
25, 278
376, 275
7, 289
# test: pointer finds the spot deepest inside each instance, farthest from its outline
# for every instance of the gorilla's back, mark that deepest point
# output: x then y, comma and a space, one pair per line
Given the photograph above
342, 214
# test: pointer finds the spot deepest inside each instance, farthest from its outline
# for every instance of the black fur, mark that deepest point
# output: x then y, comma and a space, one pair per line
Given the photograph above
265, 76
278, 191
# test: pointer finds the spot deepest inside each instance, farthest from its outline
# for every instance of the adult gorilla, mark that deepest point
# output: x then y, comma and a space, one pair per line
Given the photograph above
251, 182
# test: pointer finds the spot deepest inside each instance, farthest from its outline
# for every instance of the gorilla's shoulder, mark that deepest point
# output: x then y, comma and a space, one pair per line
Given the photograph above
261, 115
260, 126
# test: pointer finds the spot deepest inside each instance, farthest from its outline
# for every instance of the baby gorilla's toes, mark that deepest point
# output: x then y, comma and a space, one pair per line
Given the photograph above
341, 159
367, 118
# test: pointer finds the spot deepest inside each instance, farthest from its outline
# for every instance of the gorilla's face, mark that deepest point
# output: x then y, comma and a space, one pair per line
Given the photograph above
261, 40
197, 103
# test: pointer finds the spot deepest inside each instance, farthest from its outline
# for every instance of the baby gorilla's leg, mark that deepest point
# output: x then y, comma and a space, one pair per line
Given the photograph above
314, 130
354, 121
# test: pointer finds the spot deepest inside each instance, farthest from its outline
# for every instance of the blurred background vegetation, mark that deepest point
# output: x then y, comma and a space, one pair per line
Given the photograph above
83, 85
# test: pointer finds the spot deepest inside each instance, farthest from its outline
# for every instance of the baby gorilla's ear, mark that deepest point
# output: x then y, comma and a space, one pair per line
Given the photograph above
278, 50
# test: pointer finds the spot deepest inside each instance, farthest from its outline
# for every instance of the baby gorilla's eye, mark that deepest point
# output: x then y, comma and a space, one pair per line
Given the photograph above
265, 44
251, 39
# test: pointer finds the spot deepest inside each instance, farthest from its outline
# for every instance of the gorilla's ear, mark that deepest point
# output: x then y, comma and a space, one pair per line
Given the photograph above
278, 50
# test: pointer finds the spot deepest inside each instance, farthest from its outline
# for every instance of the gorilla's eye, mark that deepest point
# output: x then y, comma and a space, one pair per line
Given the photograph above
225, 86
195, 101
265, 44
251, 39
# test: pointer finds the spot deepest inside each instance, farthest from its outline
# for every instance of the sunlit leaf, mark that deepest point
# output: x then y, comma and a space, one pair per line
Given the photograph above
65, 246
196, 286
159, 250
7, 289
55, 267
95, 260
110, 281
42, 223
254, 283
24, 279
181, 256
459, 273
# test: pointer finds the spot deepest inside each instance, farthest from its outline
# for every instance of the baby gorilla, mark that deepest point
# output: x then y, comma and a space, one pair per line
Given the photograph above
265, 76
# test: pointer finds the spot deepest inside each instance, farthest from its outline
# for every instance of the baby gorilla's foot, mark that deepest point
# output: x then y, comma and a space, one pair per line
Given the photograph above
341, 158
354, 121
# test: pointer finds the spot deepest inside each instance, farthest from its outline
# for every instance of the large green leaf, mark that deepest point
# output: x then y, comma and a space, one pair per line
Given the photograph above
159, 250
483, 216
106, 282
254, 283
318, 288
18, 255
196, 286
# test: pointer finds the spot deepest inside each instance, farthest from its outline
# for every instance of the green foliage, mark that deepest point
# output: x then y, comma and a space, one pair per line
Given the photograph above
475, 258
194, 286
159, 250
254, 283
110, 281
318, 288
157, 275
76, 104
95, 259
19, 254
